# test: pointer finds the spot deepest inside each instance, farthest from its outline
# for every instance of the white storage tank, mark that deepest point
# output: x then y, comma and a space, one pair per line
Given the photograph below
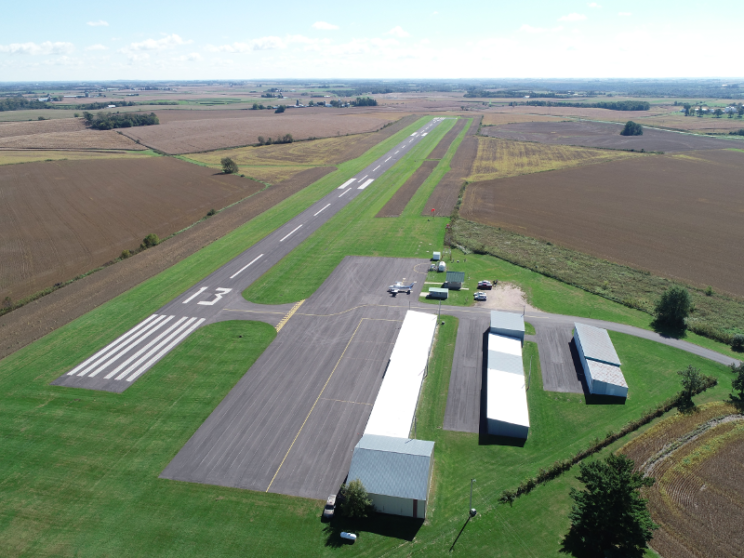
442, 266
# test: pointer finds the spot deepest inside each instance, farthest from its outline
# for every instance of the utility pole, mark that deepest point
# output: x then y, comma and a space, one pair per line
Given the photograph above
439, 313
472, 509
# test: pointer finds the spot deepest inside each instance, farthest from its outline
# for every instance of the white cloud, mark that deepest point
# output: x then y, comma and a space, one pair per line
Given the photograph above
529, 29
425, 41
263, 43
435, 13
167, 42
324, 26
47, 47
398, 31
268, 43
593, 5
96, 47
192, 57
624, 14
99, 23
572, 17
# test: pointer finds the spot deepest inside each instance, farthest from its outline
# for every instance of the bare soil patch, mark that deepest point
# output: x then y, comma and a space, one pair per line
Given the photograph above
191, 136
85, 139
443, 146
501, 118
605, 135
31, 322
61, 219
676, 215
395, 205
12, 129
444, 197
506, 296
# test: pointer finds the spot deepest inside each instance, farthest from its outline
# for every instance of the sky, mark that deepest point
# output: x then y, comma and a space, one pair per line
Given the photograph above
164, 39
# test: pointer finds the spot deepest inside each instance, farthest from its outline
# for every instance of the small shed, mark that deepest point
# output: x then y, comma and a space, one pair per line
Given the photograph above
395, 472
436, 292
507, 323
437, 256
600, 361
455, 279
442, 266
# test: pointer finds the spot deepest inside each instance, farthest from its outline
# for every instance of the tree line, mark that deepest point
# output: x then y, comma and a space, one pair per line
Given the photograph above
610, 105
108, 121
21, 103
512, 93
364, 102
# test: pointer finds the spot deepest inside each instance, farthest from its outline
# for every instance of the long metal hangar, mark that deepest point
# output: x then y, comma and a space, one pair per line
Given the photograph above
600, 361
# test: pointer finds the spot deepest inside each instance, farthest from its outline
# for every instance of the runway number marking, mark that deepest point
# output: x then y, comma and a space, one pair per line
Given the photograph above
217, 297
244, 268
294, 231
321, 211
193, 296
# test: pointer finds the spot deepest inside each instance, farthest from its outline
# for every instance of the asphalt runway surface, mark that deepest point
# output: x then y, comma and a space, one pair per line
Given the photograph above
116, 366
290, 424
606, 135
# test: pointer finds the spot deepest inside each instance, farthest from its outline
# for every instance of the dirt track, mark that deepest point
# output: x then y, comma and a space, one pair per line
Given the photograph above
678, 216
395, 206
441, 149
444, 197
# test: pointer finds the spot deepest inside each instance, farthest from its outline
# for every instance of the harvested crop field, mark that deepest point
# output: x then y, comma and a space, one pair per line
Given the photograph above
395, 205
605, 135
590, 113
10, 129
64, 218
191, 136
501, 118
8, 157
499, 158
676, 215
29, 323
444, 197
699, 489
85, 139
441, 149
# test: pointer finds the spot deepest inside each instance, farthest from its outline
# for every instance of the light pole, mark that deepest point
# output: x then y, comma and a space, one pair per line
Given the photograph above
472, 509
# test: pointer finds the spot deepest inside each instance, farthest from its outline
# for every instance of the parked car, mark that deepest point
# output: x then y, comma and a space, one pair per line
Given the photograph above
485, 285
348, 536
478, 295
433, 267
330, 507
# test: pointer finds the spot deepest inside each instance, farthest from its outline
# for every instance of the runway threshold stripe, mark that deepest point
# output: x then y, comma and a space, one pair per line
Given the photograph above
345, 184
154, 346
347, 191
158, 356
322, 210
363, 186
111, 345
294, 231
233, 276
135, 355
123, 348
314, 404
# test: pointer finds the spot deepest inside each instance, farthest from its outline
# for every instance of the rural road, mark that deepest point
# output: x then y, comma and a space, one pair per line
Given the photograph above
127, 358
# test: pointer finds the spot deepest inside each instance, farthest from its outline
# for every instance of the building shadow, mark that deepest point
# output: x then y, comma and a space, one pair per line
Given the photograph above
392, 526
484, 438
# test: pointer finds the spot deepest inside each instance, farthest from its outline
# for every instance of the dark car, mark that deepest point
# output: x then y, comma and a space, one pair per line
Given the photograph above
485, 285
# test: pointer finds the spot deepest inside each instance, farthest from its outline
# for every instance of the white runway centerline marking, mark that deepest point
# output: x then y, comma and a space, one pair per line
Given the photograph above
321, 211
193, 296
345, 184
386, 160
297, 229
377, 167
347, 191
363, 186
243, 268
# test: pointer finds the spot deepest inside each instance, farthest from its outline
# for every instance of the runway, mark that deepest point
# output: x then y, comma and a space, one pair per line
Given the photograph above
203, 304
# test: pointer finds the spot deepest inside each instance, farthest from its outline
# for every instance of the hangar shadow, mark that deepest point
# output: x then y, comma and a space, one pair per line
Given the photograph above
393, 526
484, 438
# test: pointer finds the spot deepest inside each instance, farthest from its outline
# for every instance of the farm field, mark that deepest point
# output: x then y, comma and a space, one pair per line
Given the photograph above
8, 157
673, 215
500, 118
85, 139
60, 219
441, 149
395, 206
499, 158
444, 197
606, 135
10, 129
696, 460
188, 136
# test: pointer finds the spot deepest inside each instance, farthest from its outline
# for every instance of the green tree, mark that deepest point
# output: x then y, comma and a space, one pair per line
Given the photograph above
692, 382
673, 307
609, 517
738, 382
687, 107
280, 109
718, 113
355, 501
737, 343
632, 129
150, 240
229, 166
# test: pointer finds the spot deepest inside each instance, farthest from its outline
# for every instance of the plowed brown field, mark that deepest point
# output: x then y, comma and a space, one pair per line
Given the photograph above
8, 157
443, 146
444, 197
699, 490
501, 118
676, 215
395, 205
191, 136
61, 219
11, 129
85, 139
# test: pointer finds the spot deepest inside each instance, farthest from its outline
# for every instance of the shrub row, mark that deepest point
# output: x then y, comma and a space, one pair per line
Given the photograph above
560, 466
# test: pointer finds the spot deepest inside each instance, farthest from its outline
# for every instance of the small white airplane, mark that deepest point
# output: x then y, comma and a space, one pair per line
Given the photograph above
400, 287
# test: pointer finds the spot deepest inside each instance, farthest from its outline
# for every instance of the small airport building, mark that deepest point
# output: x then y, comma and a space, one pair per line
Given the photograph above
600, 361
438, 293
507, 413
396, 473
455, 279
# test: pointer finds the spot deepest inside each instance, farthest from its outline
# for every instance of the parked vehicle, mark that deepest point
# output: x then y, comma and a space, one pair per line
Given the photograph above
478, 295
348, 536
329, 508
485, 285
433, 267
